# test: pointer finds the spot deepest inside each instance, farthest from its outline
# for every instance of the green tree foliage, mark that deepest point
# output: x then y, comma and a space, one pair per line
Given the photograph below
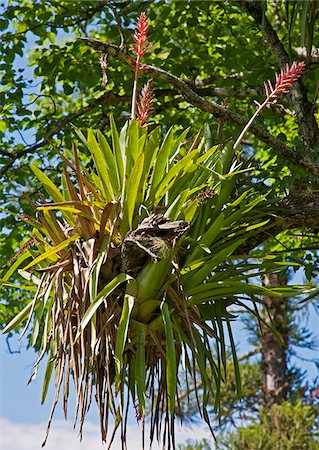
208, 61
146, 292
216, 47
195, 445
284, 427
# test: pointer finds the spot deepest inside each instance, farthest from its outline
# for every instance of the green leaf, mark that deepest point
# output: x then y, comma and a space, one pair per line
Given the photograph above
18, 319
235, 360
14, 267
119, 157
170, 358
132, 190
103, 294
140, 366
173, 174
190, 210
122, 331
207, 239
162, 158
208, 265
221, 338
101, 166
81, 136
52, 190
52, 252
111, 163
49, 186
47, 378
152, 277
132, 148
19, 286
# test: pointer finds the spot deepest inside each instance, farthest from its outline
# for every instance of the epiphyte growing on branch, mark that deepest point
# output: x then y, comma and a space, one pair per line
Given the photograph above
144, 107
284, 82
140, 37
141, 40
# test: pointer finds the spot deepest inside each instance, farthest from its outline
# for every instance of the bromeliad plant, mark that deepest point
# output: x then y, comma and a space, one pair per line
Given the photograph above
134, 270
134, 263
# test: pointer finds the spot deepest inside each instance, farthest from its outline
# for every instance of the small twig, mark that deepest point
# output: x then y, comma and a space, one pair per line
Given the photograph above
117, 17
12, 352
104, 58
104, 99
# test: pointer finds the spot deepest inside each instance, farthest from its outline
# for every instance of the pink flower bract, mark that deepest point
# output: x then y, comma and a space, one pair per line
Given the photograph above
284, 80
144, 107
140, 36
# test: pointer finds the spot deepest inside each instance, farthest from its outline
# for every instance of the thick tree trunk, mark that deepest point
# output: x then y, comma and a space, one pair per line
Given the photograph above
274, 352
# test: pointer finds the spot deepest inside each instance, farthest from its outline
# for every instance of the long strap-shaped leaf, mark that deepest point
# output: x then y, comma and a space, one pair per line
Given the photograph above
111, 163
52, 251
119, 156
160, 167
129, 203
107, 290
173, 174
18, 319
122, 330
235, 360
140, 369
101, 166
170, 358
194, 279
161, 160
14, 267
207, 239
51, 189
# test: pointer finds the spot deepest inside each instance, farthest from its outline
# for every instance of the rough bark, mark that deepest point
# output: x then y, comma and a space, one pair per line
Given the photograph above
274, 347
153, 238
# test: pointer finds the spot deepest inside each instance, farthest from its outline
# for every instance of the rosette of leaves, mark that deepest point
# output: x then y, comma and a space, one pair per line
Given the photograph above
134, 262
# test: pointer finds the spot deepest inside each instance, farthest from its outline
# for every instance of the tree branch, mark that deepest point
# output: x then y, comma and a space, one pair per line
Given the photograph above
291, 212
109, 98
306, 161
216, 92
105, 99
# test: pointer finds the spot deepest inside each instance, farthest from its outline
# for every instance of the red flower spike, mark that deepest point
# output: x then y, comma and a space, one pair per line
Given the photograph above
284, 80
144, 107
140, 36
141, 40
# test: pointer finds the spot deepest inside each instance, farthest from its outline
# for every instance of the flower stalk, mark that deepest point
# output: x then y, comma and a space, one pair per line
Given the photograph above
284, 82
141, 45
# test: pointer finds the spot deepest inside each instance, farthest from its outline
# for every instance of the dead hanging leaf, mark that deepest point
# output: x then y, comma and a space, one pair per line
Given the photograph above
104, 59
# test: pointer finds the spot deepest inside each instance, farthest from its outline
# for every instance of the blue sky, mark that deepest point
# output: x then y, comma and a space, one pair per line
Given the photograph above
23, 419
